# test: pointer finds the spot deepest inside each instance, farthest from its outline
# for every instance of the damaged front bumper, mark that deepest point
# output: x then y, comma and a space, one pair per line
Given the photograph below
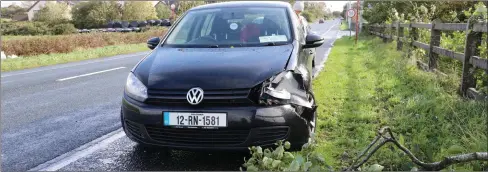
247, 126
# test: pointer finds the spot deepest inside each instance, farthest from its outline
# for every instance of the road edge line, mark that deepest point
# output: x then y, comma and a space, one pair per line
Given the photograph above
80, 152
322, 64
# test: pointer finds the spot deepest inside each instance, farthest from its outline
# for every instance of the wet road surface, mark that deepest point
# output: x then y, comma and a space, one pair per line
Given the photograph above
125, 155
51, 111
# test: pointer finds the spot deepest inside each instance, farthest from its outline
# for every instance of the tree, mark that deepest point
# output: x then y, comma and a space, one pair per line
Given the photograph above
426, 11
53, 13
27, 4
164, 12
95, 13
336, 14
184, 6
104, 12
314, 10
138, 10
11, 10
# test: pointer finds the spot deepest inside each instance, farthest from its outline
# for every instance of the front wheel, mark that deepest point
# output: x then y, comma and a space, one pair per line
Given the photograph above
311, 122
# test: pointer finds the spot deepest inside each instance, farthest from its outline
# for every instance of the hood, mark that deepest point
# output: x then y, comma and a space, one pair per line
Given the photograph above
212, 68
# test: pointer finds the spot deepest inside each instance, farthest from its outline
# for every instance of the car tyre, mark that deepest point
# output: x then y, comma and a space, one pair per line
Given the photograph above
313, 120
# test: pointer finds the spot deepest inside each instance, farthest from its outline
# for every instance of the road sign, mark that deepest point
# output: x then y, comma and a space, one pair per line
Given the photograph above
351, 13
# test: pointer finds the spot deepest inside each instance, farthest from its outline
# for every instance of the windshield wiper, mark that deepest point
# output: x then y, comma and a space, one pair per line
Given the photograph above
213, 46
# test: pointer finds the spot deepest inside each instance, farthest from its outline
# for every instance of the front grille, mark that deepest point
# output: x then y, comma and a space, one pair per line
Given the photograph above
234, 97
200, 137
133, 128
270, 135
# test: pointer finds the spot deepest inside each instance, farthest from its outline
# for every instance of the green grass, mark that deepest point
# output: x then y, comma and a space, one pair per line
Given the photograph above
58, 58
344, 25
372, 85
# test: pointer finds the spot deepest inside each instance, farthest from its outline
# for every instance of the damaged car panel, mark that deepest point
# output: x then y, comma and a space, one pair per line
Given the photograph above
221, 80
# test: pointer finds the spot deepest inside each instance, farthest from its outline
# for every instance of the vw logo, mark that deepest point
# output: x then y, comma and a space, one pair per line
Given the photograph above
194, 96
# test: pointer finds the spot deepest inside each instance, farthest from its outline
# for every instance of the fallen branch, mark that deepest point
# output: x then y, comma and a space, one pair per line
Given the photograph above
385, 135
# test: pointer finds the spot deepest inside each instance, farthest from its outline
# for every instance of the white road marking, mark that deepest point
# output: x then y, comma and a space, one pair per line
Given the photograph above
88, 74
34, 71
328, 30
321, 65
80, 152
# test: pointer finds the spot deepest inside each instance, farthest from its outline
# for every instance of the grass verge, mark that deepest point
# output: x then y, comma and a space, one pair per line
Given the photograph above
344, 25
372, 85
77, 55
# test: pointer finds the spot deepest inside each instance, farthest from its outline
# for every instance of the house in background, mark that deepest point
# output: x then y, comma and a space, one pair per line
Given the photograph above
38, 5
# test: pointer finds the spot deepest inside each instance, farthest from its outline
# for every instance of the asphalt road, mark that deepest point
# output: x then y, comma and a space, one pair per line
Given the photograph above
51, 111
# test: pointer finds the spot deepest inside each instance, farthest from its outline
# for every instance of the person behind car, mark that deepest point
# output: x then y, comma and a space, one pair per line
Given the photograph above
298, 7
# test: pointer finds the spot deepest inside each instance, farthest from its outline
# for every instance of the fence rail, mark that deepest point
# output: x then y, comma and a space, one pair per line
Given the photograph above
470, 57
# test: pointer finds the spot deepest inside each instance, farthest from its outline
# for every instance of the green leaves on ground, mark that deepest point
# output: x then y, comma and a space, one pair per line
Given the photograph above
279, 159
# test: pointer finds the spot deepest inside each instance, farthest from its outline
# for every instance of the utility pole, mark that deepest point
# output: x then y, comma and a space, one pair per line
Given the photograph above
349, 18
357, 21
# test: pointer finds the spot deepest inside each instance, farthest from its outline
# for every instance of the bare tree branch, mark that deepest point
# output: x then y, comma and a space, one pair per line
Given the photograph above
387, 136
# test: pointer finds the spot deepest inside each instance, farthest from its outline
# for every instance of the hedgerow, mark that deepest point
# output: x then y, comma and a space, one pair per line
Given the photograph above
67, 43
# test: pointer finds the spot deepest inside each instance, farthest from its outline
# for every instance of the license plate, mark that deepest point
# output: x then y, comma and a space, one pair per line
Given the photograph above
190, 119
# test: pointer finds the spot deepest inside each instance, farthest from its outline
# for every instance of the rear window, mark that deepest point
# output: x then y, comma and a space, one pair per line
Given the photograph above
241, 26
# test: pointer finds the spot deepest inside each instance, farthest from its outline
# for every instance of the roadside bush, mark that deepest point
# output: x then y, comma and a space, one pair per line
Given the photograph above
25, 28
37, 28
63, 29
68, 43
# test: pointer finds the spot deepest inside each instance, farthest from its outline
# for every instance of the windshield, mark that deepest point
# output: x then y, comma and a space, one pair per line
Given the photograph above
241, 26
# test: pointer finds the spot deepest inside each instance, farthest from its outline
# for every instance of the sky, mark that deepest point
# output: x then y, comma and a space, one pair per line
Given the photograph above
333, 5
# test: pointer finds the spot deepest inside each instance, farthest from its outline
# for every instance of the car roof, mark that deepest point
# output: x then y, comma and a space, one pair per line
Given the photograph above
243, 3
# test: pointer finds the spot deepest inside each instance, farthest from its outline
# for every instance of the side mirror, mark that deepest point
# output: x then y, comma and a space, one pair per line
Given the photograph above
313, 41
153, 42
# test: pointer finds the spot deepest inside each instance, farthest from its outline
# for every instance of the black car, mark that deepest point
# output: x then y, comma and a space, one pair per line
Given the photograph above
218, 80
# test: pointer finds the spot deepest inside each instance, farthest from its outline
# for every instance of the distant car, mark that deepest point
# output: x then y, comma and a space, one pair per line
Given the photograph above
321, 21
218, 81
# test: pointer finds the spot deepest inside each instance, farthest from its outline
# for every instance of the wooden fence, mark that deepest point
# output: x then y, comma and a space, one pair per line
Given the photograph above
470, 58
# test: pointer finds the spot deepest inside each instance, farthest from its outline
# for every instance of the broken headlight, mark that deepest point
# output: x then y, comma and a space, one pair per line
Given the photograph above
285, 88
269, 94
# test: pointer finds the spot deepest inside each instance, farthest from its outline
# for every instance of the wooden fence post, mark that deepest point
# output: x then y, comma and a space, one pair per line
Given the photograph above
413, 34
391, 32
384, 33
435, 40
399, 36
473, 40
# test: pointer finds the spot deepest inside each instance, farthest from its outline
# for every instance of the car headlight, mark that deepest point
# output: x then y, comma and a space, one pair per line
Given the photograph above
135, 89
272, 96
